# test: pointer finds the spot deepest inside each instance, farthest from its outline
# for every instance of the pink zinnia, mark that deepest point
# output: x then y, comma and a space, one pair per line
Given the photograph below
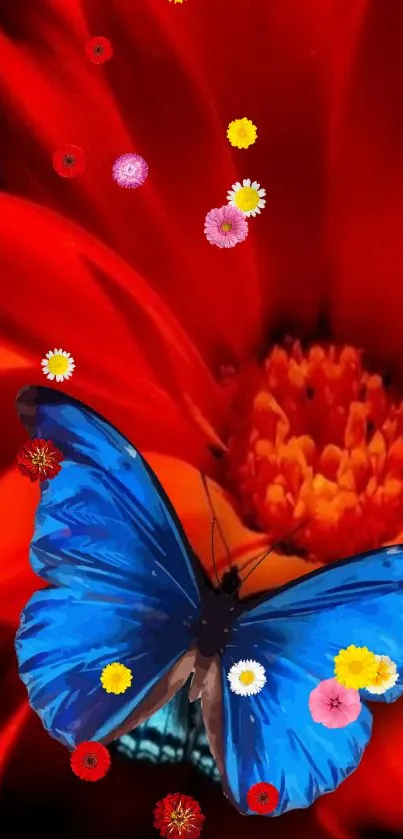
225, 227
334, 705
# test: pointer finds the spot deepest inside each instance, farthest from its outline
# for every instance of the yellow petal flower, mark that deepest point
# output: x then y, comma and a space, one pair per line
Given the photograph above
241, 133
116, 678
355, 667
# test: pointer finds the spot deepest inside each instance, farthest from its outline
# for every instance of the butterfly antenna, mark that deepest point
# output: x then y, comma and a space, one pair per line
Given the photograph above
214, 522
215, 519
270, 550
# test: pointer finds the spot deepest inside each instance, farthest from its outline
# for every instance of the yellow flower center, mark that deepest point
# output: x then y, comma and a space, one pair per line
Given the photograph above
247, 677
226, 227
178, 817
241, 132
316, 439
355, 667
58, 364
246, 198
39, 458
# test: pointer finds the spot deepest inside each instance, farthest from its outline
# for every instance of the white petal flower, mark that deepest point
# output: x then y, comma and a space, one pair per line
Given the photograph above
386, 677
247, 197
246, 677
58, 364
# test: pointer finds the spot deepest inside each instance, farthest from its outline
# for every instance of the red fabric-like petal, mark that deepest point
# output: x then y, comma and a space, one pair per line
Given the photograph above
366, 169
134, 363
279, 270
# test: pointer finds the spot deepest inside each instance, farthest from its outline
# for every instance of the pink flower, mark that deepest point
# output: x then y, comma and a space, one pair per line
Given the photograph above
334, 705
130, 170
225, 227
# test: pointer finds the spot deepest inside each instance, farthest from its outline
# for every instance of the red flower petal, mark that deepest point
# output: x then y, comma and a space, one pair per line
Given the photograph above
263, 798
178, 815
90, 761
98, 50
69, 161
39, 460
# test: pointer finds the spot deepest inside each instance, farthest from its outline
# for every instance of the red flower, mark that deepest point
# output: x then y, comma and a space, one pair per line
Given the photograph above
39, 460
90, 761
98, 50
69, 161
263, 798
178, 815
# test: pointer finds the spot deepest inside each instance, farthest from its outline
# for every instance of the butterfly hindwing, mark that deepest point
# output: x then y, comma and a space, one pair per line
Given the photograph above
123, 583
295, 634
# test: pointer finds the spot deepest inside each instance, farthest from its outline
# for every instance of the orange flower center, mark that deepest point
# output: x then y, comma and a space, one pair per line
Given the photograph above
226, 227
317, 439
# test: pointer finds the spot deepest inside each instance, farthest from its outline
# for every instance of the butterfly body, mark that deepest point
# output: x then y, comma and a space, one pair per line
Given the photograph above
124, 586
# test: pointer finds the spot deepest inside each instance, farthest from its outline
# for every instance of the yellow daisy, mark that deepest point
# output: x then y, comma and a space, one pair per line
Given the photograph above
116, 678
355, 667
386, 675
241, 133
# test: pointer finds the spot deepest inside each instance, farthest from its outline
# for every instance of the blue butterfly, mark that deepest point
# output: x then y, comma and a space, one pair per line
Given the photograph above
175, 734
126, 586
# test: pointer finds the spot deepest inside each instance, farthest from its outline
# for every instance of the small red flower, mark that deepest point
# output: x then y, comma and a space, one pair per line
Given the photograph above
263, 798
98, 50
39, 460
90, 761
69, 161
178, 816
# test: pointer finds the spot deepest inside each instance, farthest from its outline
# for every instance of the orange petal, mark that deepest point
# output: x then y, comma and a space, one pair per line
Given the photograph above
184, 487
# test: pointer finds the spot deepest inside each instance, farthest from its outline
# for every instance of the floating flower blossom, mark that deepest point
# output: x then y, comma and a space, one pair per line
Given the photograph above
130, 170
247, 197
178, 816
247, 677
39, 460
69, 161
225, 227
334, 705
58, 365
98, 50
386, 675
263, 798
90, 761
355, 667
241, 133
116, 678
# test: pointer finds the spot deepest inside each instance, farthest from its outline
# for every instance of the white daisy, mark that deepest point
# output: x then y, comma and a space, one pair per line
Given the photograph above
246, 677
247, 197
386, 676
58, 365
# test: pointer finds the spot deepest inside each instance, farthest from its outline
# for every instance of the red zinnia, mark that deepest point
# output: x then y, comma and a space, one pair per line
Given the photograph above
39, 460
90, 761
69, 161
178, 815
263, 798
98, 50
